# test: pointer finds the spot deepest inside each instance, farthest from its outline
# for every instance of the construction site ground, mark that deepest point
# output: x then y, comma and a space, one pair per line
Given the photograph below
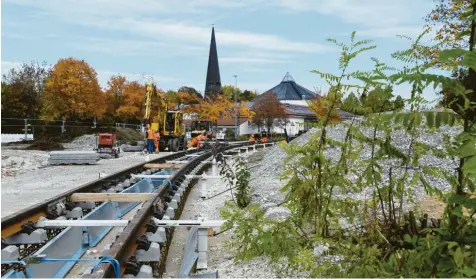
27, 178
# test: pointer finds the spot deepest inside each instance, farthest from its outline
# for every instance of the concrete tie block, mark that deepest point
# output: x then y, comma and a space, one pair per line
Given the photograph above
111, 190
126, 183
173, 203
151, 255
10, 253
148, 172
76, 213
144, 272
166, 217
177, 197
170, 212
37, 237
119, 187
159, 236
87, 205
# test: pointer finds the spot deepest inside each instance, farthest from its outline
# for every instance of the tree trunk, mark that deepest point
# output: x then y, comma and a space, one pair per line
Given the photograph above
472, 86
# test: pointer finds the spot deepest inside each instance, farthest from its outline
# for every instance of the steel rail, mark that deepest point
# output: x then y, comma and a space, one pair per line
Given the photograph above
125, 245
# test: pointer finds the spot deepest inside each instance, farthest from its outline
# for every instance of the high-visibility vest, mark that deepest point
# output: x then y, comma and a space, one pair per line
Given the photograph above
150, 134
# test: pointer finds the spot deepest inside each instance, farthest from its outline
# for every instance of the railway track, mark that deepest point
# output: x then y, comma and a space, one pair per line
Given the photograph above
32, 248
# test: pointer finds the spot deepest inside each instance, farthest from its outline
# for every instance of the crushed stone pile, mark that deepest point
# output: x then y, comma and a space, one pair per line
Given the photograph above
82, 143
20, 161
266, 182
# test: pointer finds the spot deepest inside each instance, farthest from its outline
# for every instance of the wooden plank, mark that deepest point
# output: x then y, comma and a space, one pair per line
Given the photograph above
162, 166
119, 197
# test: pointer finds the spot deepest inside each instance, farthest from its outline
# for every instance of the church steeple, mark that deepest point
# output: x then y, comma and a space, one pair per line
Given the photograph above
213, 82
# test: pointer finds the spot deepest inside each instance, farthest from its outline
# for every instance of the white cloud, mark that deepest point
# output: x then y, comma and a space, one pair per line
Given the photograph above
378, 18
141, 19
7, 65
250, 60
391, 32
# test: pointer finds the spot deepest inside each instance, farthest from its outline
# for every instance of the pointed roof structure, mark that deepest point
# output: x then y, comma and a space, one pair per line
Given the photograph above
289, 90
213, 82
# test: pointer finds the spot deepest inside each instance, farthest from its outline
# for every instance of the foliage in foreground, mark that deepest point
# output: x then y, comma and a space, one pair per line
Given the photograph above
237, 175
332, 235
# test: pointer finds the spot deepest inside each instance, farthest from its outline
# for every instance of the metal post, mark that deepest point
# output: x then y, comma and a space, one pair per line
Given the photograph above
62, 126
26, 128
236, 109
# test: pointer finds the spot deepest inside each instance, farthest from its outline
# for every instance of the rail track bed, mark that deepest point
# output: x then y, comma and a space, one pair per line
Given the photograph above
117, 226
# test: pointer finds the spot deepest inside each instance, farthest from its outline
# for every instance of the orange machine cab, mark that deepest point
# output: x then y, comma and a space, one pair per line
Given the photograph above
107, 144
107, 139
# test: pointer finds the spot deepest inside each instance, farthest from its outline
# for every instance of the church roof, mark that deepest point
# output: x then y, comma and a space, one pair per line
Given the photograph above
212, 82
288, 89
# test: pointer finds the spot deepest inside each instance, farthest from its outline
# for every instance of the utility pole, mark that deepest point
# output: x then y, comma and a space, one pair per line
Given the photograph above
237, 137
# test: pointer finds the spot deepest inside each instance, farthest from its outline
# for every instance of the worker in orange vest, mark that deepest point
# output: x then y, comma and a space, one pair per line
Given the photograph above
156, 141
150, 140
196, 141
252, 139
264, 139
193, 142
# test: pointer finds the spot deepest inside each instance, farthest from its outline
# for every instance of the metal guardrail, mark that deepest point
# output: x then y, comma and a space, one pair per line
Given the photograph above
190, 254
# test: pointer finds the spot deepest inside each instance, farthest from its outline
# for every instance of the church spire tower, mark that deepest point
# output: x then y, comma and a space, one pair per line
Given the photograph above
212, 83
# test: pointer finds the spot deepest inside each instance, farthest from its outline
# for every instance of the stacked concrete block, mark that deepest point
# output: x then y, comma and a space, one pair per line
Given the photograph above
73, 157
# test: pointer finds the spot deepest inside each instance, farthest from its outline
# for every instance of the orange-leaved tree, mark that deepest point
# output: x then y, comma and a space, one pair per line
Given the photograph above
114, 95
215, 108
246, 111
133, 102
320, 106
72, 92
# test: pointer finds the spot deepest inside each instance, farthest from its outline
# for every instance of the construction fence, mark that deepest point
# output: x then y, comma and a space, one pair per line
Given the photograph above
40, 127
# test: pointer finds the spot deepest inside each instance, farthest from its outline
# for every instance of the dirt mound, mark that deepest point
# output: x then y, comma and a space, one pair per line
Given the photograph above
46, 145
128, 135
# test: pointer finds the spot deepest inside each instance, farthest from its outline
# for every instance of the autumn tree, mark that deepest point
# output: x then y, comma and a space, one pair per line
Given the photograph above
268, 111
215, 108
133, 105
326, 105
114, 95
72, 92
23, 88
452, 21
190, 90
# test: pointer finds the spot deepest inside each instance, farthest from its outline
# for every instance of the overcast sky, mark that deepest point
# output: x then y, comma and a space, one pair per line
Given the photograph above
258, 40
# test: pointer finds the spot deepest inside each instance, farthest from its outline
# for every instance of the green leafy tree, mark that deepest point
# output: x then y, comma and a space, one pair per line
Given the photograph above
350, 102
248, 95
238, 176
229, 92
24, 90
399, 103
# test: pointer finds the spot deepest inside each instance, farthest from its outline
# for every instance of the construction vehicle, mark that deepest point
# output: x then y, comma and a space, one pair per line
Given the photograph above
107, 144
198, 127
169, 123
